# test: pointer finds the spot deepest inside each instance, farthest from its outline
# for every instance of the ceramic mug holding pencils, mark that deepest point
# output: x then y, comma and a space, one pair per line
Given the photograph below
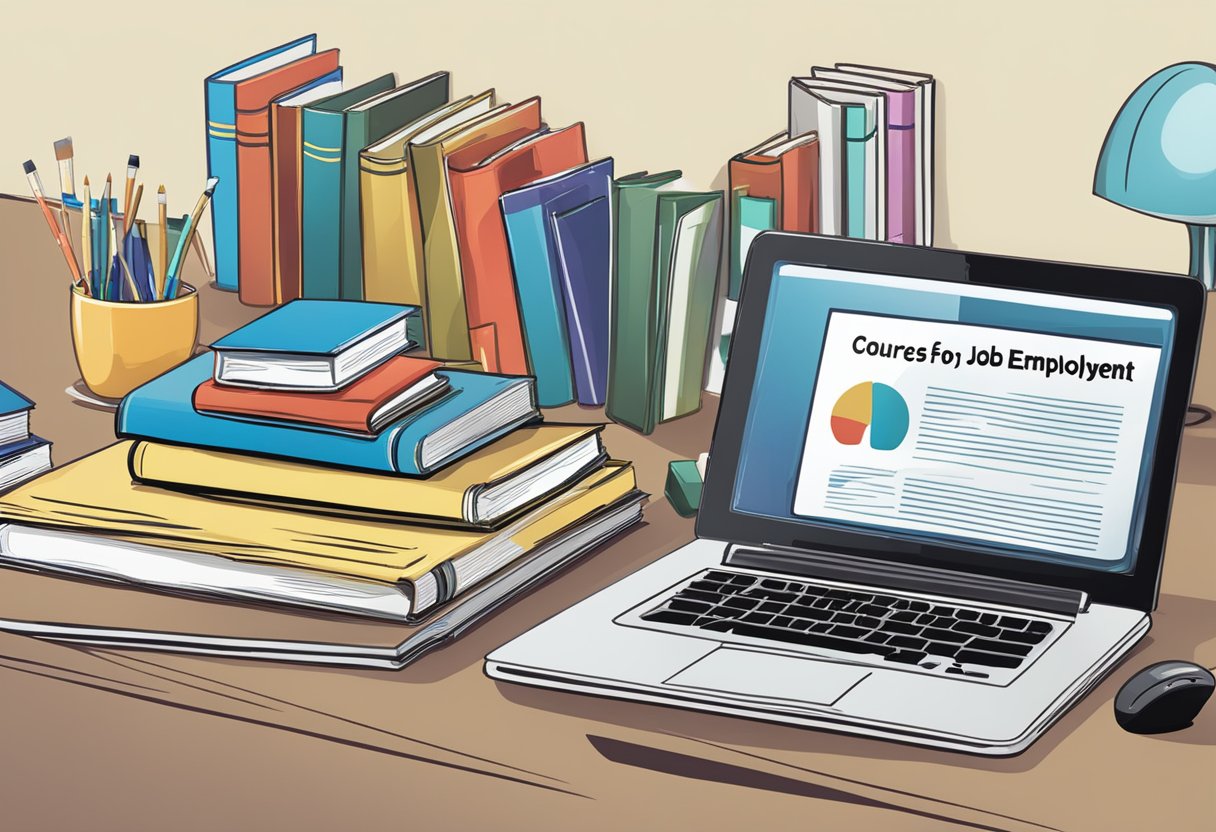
119, 346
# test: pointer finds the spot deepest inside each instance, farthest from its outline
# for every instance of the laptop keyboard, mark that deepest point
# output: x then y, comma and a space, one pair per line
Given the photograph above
898, 629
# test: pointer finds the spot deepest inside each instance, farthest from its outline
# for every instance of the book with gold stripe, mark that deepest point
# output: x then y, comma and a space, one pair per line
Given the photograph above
323, 130
220, 106
392, 230
139, 534
482, 491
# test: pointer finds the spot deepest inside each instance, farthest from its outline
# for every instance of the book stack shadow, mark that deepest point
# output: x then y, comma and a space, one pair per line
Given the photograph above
308, 491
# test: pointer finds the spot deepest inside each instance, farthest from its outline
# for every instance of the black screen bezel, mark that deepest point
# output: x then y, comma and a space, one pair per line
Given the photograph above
1183, 295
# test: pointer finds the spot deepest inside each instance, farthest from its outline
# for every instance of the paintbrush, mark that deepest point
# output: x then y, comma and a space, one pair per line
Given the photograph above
31, 173
132, 171
183, 242
64, 155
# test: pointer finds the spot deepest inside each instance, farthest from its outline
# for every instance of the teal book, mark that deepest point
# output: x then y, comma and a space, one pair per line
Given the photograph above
753, 214
220, 106
322, 136
855, 170
478, 409
367, 123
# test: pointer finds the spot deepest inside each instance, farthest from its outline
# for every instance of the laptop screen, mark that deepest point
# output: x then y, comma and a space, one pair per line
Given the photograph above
1000, 420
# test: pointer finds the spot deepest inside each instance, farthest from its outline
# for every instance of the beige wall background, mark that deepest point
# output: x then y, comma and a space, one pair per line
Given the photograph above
1027, 89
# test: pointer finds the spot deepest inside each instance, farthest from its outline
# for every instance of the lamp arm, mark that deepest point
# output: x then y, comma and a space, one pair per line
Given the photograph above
1203, 254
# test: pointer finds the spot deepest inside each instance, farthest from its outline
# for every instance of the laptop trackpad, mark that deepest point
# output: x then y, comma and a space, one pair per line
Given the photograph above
755, 675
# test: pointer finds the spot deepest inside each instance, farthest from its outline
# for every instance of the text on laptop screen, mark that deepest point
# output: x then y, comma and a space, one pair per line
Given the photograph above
1002, 420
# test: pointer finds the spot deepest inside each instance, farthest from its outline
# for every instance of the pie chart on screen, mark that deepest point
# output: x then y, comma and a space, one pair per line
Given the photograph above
870, 409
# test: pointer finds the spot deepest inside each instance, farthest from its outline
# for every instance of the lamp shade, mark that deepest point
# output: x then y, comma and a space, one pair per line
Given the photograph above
1159, 156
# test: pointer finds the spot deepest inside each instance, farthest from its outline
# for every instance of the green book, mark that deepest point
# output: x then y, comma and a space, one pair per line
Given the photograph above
668, 253
855, 137
322, 137
367, 122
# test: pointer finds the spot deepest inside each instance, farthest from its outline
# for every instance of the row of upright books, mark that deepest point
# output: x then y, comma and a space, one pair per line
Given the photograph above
309, 491
855, 160
497, 226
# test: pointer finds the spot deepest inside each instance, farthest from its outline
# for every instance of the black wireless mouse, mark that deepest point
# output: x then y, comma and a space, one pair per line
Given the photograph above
1163, 697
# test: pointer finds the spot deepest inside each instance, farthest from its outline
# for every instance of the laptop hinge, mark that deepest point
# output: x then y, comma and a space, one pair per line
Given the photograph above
908, 577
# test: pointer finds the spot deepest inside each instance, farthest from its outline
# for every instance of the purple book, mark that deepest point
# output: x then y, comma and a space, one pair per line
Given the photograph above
584, 241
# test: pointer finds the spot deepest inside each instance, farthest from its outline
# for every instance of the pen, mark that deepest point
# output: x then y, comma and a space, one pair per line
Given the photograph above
31, 173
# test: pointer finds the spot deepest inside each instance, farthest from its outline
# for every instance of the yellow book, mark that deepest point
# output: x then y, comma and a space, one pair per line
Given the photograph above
447, 322
193, 543
392, 230
481, 491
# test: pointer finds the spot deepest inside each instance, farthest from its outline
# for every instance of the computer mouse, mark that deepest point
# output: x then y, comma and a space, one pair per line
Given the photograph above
1163, 697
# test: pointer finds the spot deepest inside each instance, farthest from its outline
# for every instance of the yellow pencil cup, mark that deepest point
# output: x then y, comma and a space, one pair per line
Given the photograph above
119, 346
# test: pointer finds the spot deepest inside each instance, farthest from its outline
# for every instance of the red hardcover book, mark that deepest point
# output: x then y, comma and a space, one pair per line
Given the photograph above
489, 284
786, 171
255, 240
364, 406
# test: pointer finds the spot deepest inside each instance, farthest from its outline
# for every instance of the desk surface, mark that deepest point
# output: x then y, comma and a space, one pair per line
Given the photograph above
105, 739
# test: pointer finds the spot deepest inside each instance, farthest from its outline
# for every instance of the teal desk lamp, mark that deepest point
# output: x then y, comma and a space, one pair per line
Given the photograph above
1159, 157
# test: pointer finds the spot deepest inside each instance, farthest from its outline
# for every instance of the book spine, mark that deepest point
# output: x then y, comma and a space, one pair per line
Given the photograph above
254, 197
697, 347
321, 204
901, 167
382, 201
855, 171
285, 206
541, 305
350, 247
585, 265
481, 239
220, 107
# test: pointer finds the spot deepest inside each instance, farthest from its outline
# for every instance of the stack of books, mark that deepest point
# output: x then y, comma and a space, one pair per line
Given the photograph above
856, 160
22, 455
316, 494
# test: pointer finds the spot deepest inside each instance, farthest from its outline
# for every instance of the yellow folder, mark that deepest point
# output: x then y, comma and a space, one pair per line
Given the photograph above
95, 494
447, 322
392, 233
449, 496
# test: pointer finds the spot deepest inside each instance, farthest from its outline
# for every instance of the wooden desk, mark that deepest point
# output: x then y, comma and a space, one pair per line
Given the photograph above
100, 739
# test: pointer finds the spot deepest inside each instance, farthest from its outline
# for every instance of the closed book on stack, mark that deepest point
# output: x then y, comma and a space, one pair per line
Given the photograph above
563, 318
668, 253
22, 455
392, 227
180, 542
482, 491
322, 133
286, 114
447, 322
478, 409
477, 181
255, 182
220, 105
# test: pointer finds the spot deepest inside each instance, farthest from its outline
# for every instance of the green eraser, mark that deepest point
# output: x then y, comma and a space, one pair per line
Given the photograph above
683, 488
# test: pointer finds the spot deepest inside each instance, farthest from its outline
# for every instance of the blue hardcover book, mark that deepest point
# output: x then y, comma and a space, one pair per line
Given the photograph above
584, 248
478, 409
219, 92
527, 214
322, 137
14, 416
21, 460
312, 344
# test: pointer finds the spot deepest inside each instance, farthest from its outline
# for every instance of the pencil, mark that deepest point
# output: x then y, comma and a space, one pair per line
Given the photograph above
65, 246
162, 257
86, 236
132, 170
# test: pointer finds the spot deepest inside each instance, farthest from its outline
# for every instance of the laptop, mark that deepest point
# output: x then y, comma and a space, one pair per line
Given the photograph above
935, 506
